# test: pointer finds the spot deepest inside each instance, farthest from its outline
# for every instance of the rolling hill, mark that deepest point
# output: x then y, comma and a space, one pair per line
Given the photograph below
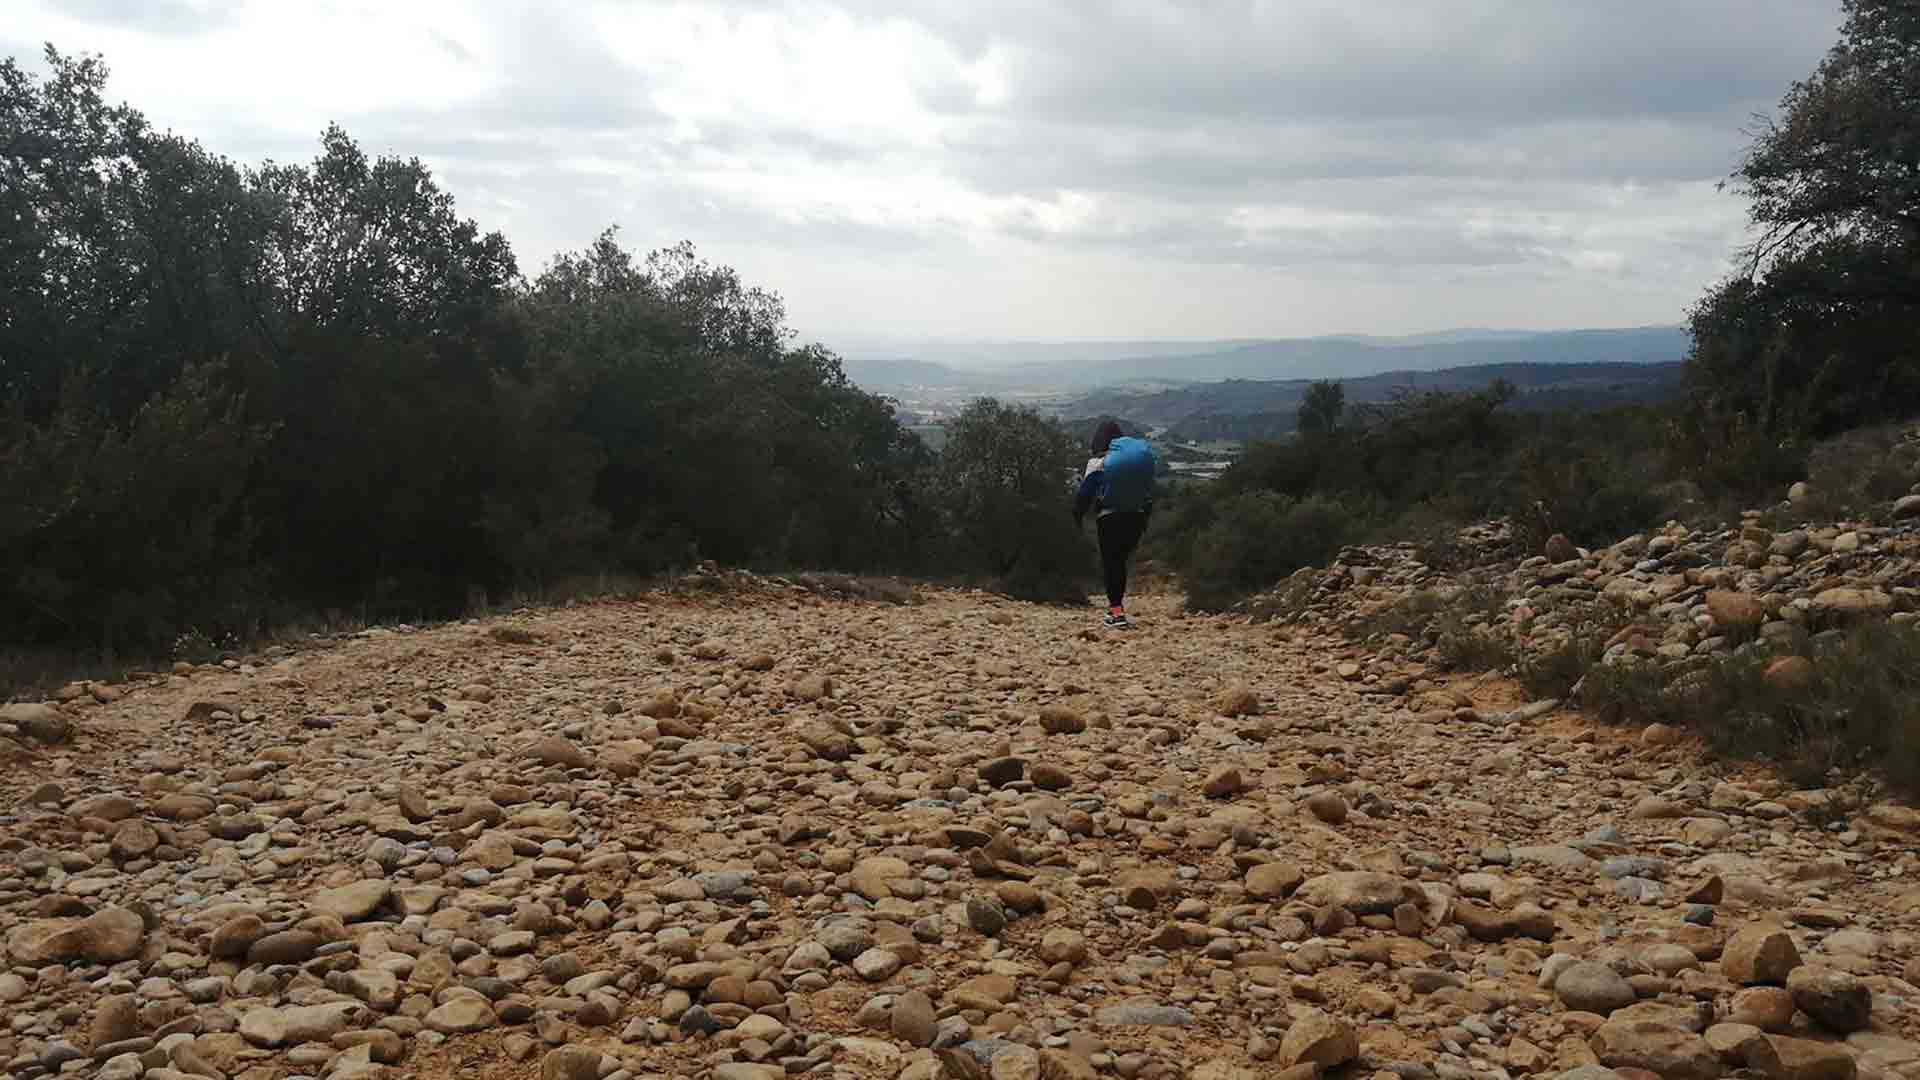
1242, 409
1066, 367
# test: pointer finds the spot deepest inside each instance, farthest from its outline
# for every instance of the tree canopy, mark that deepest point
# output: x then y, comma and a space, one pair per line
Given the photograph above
1818, 332
229, 393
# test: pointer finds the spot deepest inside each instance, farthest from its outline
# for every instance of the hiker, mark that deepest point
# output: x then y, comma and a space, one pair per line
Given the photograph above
1119, 480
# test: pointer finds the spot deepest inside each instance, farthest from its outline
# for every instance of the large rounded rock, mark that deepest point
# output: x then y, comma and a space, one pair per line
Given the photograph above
1740, 1044
1223, 783
1273, 880
285, 947
352, 903
462, 1014
1840, 1002
571, 1063
876, 965
1063, 946
844, 942
235, 936
1362, 892
1735, 611
107, 937
828, 742
1804, 1059
1759, 954
1671, 1053
1846, 602
38, 721
914, 1020
1320, 1040
46, 941
1768, 1008
116, 1019
1328, 806
133, 839
270, 1028
1595, 988
1237, 701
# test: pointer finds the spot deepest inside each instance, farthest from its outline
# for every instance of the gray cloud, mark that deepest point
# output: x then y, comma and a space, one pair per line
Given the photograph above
1556, 156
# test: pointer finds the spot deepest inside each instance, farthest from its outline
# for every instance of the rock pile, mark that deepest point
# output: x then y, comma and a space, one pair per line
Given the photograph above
760, 832
1672, 596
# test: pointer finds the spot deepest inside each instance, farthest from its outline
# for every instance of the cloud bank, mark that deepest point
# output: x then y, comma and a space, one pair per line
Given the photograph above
1020, 169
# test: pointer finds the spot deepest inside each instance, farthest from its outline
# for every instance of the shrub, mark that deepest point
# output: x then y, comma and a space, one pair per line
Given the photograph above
1425, 614
1258, 538
122, 536
1553, 671
1433, 527
1592, 499
1004, 482
1856, 476
1288, 602
1861, 708
1474, 648
229, 395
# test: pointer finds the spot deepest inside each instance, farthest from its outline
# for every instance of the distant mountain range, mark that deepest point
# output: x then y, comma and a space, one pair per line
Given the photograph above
1242, 409
1063, 367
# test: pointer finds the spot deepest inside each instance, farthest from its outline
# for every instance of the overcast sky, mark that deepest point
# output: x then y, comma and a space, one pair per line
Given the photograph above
1034, 168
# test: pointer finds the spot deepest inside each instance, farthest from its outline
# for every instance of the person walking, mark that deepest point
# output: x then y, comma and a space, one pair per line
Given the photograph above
1119, 482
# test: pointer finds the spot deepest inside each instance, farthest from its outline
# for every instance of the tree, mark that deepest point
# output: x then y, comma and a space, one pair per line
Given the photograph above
1255, 539
1819, 332
1845, 159
1005, 476
231, 394
1320, 409
68, 288
374, 245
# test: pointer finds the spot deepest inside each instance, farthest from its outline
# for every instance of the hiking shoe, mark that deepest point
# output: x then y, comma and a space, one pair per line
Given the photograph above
1118, 621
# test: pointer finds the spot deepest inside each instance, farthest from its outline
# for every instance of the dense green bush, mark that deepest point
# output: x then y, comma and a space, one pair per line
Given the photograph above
127, 533
1257, 538
1005, 476
231, 395
1817, 333
1417, 468
1581, 491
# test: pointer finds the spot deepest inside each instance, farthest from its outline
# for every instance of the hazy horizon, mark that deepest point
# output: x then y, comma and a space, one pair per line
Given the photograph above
1288, 168
994, 339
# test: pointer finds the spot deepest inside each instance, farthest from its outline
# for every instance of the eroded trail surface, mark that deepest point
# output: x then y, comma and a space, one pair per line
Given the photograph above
767, 833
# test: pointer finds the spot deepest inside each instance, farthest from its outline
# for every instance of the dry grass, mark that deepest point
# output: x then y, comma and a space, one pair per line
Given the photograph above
866, 587
1854, 477
35, 674
1288, 601
1430, 614
1860, 711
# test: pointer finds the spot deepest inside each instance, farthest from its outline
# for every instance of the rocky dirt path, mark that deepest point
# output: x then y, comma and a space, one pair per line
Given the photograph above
767, 833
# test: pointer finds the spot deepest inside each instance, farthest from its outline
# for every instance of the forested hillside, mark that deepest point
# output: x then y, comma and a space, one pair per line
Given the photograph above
1251, 409
237, 394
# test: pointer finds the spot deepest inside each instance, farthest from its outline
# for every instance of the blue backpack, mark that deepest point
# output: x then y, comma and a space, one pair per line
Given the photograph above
1129, 476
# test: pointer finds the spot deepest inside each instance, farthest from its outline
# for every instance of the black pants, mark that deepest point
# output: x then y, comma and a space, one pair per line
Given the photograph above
1119, 535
